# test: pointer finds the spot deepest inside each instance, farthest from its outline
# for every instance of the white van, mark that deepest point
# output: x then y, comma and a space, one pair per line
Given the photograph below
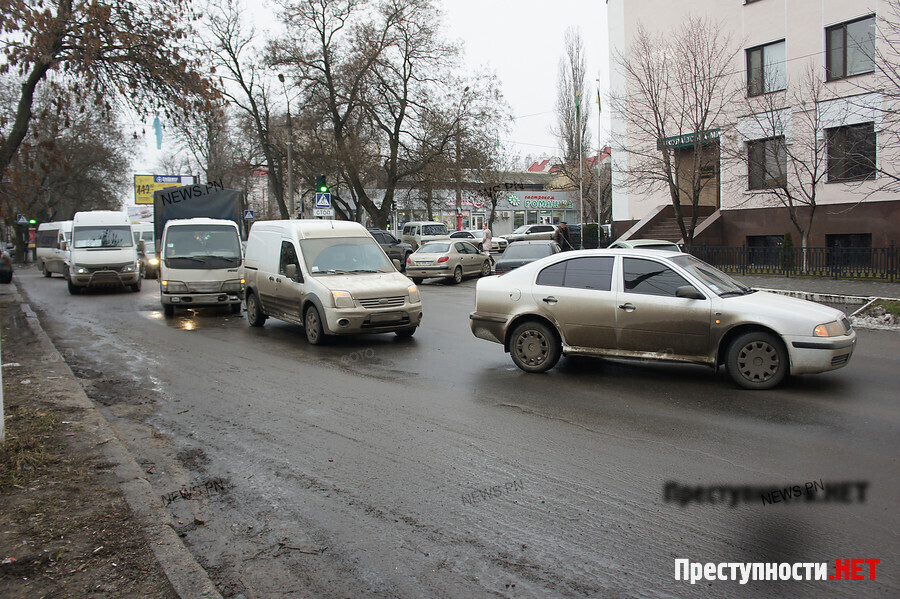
415, 233
149, 261
200, 264
51, 243
330, 277
102, 252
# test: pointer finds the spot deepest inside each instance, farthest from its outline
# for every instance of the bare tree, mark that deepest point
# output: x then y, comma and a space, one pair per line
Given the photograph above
571, 128
115, 50
679, 89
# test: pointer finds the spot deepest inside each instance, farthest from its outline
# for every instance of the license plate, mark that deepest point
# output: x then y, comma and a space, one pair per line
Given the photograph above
423, 263
386, 317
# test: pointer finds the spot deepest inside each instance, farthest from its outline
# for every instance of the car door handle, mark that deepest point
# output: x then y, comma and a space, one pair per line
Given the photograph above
550, 300
271, 278
627, 307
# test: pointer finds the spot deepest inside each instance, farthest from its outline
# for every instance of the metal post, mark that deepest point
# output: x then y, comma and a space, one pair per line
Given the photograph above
290, 167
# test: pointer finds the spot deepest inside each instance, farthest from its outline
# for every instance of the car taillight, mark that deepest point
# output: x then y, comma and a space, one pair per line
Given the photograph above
443, 259
409, 259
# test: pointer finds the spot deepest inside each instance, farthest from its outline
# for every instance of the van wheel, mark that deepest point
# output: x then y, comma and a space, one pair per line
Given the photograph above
169, 309
313, 325
255, 315
757, 360
417, 280
457, 275
44, 270
73, 289
534, 347
137, 286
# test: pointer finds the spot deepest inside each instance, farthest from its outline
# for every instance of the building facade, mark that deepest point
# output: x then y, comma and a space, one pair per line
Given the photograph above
812, 119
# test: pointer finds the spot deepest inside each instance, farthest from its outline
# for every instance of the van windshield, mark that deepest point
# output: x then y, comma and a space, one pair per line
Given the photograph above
343, 255
202, 246
100, 236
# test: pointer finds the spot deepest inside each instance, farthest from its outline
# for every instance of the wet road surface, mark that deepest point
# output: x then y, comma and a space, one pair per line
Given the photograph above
432, 466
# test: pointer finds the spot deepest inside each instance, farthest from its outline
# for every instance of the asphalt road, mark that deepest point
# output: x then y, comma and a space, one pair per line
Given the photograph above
381, 467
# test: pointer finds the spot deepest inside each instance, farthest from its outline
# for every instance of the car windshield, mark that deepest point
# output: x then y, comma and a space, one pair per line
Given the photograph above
343, 255
434, 229
206, 246
524, 251
100, 236
718, 282
434, 248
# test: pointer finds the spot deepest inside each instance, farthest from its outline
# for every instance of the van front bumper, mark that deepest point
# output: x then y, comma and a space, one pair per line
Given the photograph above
105, 277
201, 299
349, 321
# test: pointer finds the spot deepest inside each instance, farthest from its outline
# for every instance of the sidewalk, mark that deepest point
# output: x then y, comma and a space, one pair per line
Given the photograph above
826, 287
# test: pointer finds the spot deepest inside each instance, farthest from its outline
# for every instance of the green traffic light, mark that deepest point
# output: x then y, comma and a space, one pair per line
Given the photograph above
32, 221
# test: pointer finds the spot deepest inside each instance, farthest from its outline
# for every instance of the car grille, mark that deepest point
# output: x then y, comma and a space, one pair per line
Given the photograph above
204, 287
382, 302
107, 267
840, 360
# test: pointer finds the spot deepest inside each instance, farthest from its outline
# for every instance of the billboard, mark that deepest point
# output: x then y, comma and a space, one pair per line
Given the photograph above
145, 185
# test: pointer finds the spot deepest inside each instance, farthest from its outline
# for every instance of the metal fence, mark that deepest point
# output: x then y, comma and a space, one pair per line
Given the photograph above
868, 264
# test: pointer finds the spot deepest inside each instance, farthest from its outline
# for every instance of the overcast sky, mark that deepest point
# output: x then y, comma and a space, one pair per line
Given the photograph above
522, 41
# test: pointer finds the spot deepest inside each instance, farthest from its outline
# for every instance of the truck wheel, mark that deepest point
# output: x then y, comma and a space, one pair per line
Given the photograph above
534, 347
73, 289
169, 309
44, 270
255, 315
757, 360
312, 323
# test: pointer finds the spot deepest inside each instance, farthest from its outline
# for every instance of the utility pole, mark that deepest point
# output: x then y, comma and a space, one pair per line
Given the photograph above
290, 164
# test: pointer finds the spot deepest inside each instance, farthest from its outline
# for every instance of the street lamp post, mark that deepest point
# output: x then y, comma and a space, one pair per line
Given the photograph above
290, 164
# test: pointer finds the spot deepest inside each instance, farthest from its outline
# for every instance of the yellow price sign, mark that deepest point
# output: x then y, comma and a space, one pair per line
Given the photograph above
145, 185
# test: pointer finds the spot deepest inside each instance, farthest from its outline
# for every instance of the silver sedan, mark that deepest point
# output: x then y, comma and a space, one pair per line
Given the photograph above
450, 259
658, 306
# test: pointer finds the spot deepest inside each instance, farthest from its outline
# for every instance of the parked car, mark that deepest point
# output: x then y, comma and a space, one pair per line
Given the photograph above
330, 277
393, 247
521, 253
645, 244
530, 232
451, 259
6, 267
476, 238
656, 305
147, 251
415, 233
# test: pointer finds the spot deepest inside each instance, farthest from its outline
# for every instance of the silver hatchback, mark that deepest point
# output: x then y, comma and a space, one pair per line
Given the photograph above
660, 306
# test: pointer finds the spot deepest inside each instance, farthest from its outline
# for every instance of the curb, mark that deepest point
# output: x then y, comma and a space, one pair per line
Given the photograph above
187, 577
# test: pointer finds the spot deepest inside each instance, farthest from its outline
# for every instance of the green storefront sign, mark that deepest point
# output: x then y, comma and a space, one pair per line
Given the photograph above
688, 139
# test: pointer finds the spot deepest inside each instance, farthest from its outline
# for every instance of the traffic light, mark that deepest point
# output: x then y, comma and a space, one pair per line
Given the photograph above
321, 186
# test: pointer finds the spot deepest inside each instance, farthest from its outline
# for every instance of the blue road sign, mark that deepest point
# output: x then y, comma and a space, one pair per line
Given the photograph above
248, 215
323, 200
21, 220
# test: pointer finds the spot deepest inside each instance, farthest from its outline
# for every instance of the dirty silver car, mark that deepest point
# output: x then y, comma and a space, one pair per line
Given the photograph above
451, 259
659, 306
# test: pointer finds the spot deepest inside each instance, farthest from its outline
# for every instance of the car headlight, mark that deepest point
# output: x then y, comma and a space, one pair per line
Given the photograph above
80, 270
173, 287
234, 285
127, 268
829, 329
413, 294
153, 261
342, 299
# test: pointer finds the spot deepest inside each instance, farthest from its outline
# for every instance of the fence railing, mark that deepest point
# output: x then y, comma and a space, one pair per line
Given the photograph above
870, 264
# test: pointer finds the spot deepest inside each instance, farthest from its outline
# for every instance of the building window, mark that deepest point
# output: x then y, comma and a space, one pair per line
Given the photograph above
850, 48
767, 160
765, 69
851, 152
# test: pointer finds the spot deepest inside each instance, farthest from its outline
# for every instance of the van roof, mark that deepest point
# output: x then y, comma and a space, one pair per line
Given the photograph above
199, 220
65, 225
311, 229
104, 217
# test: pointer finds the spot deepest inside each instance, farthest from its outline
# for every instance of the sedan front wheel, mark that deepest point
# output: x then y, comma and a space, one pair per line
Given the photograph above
534, 347
757, 360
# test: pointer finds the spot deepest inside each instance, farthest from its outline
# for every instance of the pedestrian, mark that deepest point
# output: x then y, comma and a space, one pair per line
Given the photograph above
562, 239
487, 243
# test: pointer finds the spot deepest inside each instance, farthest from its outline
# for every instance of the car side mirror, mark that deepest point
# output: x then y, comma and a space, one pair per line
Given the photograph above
396, 264
293, 273
63, 246
688, 291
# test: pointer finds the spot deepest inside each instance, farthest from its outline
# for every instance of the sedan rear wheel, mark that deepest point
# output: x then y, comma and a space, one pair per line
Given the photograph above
757, 360
457, 275
486, 268
534, 347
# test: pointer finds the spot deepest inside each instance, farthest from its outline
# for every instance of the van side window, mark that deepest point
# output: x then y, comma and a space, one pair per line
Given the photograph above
288, 256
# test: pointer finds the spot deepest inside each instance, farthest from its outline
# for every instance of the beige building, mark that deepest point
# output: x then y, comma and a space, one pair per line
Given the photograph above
808, 114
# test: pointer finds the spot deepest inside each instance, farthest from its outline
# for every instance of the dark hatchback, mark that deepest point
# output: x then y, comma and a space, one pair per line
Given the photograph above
522, 252
393, 247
